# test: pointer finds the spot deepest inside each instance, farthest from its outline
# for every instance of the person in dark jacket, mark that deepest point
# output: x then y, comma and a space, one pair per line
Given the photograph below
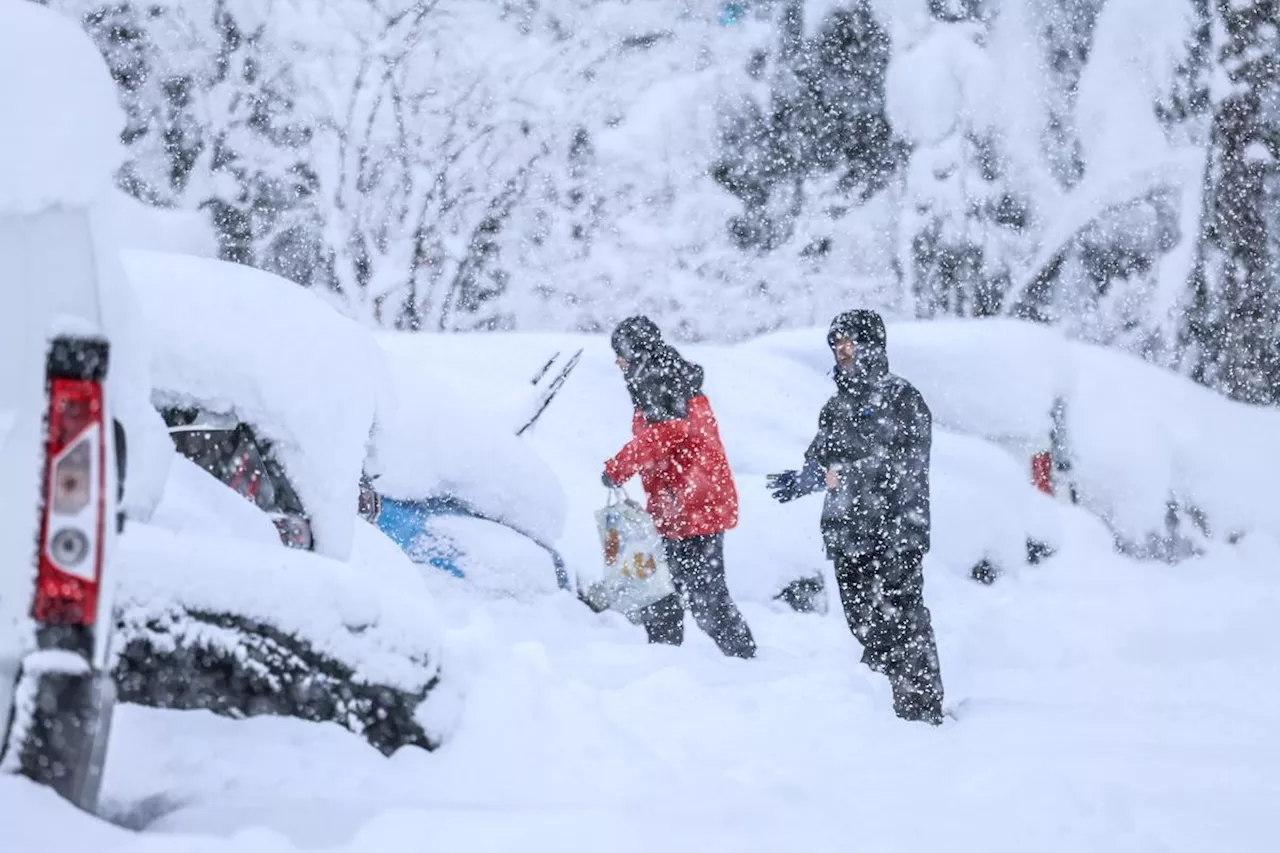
676, 450
871, 454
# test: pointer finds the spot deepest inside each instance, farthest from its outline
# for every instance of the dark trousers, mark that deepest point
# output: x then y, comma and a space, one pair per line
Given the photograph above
697, 570
883, 597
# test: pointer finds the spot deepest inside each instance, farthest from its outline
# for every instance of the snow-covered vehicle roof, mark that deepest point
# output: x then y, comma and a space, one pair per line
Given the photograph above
235, 340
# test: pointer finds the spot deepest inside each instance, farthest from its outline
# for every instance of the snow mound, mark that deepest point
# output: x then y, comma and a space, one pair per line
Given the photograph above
991, 378
1141, 435
61, 140
239, 340
449, 433
373, 614
494, 558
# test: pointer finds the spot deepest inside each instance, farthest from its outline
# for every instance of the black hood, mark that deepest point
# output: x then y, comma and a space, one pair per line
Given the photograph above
870, 353
635, 337
659, 379
865, 328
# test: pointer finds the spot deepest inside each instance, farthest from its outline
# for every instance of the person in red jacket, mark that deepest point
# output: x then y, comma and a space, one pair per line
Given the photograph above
676, 450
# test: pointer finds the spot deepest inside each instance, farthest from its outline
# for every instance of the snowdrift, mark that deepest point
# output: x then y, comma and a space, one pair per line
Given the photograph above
213, 612
241, 341
1141, 436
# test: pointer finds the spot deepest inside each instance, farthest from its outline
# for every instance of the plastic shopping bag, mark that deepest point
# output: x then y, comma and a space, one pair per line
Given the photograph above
635, 567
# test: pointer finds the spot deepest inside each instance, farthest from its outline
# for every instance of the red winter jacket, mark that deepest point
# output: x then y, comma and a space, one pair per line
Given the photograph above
684, 471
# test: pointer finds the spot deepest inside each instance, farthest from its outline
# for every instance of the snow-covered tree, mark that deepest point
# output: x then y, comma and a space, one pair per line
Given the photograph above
824, 114
966, 223
1117, 242
1066, 34
1232, 328
213, 123
421, 177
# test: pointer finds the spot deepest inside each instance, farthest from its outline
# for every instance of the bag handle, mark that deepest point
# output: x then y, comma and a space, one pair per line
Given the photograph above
618, 495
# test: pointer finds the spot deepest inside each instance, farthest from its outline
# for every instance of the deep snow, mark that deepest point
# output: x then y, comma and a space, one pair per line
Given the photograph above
1112, 707
1104, 704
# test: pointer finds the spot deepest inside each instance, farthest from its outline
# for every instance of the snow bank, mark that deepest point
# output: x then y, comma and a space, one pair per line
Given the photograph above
132, 224
61, 140
235, 339
1141, 435
494, 558
373, 613
452, 432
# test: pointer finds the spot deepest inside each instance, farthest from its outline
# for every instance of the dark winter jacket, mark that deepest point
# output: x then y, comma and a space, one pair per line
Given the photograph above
876, 430
675, 445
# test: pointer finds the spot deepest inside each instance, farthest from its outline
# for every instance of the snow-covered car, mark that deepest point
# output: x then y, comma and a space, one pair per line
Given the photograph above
269, 396
65, 383
457, 485
450, 534
61, 471
1153, 456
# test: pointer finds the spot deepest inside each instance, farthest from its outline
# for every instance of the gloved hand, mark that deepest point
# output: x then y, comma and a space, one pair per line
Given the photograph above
784, 486
608, 481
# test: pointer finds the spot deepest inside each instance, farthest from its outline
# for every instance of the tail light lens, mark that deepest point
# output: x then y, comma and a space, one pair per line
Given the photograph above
73, 522
1042, 471
295, 531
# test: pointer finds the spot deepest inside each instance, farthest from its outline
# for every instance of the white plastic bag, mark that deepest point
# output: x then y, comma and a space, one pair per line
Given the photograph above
635, 566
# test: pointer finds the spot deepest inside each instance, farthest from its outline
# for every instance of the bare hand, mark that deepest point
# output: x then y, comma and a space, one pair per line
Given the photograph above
833, 479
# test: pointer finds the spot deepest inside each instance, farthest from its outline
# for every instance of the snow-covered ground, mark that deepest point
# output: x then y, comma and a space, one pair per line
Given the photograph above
1112, 706
1103, 704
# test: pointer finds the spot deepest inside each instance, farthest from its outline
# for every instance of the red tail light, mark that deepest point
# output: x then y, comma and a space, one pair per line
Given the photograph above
72, 526
1042, 471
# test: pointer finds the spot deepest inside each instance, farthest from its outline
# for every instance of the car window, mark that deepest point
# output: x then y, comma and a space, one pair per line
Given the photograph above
232, 457
230, 451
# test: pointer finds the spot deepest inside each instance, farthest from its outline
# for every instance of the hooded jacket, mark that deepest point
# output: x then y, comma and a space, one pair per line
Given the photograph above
877, 431
675, 445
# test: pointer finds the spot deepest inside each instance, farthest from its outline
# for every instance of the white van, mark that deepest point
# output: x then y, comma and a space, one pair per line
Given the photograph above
62, 458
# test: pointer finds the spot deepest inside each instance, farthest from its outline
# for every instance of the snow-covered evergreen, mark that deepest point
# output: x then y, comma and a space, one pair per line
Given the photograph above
1107, 166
